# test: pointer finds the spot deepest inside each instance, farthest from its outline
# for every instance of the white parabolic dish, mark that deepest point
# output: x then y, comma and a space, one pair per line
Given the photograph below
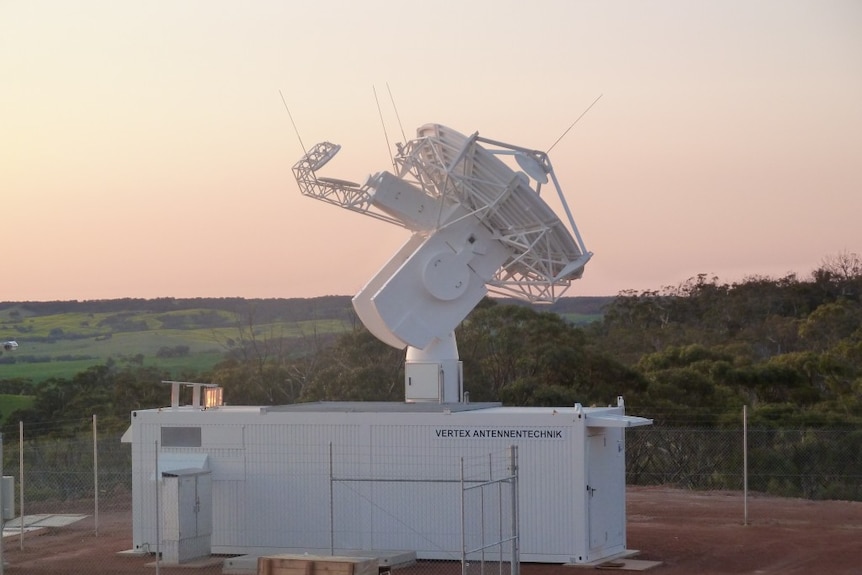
478, 226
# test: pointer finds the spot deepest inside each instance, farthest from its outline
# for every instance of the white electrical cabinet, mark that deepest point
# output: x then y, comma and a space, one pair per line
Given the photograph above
348, 476
7, 498
186, 505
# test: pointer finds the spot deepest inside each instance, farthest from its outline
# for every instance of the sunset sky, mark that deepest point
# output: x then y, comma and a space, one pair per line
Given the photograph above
145, 150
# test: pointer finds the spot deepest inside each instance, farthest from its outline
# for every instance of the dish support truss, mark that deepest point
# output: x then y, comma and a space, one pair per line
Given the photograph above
462, 177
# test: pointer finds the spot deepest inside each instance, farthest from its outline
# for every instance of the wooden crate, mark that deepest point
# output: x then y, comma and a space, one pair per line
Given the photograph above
315, 565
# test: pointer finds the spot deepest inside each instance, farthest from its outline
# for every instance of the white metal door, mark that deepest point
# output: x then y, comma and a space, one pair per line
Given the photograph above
189, 506
603, 486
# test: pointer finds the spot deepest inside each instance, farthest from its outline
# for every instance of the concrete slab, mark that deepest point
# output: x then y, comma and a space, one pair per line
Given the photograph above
621, 562
202, 563
16, 531
628, 565
13, 527
131, 553
45, 520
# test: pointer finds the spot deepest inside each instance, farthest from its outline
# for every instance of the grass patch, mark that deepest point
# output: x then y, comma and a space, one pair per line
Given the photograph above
197, 363
12, 403
39, 372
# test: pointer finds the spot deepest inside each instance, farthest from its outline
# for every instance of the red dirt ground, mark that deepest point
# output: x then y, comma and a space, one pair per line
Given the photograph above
691, 533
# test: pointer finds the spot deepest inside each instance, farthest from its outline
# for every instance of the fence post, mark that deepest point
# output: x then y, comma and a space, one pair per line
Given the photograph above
96, 473
516, 531
21, 482
331, 505
158, 513
745, 464
463, 523
1, 515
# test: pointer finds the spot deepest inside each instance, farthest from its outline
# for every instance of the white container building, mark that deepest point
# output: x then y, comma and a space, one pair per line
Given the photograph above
332, 478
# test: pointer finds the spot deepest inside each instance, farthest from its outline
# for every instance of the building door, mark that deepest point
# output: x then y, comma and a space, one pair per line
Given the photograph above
605, 488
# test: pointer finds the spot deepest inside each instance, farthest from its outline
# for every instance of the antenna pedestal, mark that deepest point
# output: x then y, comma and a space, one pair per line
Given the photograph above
434, 374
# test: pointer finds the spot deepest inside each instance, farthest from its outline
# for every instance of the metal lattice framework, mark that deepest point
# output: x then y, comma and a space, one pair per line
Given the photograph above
343, 193
454, 170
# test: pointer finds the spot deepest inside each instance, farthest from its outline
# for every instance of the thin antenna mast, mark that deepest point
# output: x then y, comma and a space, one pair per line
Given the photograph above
385, 133
584, 113
289, 115
400, 126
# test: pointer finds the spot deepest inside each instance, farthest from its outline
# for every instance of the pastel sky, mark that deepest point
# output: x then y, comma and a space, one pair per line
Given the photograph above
145, 150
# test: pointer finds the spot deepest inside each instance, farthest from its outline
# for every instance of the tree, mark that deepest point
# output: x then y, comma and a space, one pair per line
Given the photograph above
840, 275
830, 323
111, 392
522, 356
265, 364
359, 367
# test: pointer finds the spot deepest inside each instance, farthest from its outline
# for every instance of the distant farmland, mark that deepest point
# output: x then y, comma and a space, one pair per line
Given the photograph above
60, 343
60, 339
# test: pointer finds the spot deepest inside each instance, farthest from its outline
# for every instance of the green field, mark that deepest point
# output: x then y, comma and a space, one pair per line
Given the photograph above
59, 345
10, 403
37, 372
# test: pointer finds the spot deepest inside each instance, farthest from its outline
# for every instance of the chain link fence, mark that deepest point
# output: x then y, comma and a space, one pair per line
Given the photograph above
807, 463
89, 474
80, 473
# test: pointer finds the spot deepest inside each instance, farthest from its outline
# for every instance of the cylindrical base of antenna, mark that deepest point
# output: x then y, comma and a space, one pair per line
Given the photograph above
434, 374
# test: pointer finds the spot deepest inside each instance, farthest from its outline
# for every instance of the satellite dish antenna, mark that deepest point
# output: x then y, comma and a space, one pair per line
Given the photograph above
477, 226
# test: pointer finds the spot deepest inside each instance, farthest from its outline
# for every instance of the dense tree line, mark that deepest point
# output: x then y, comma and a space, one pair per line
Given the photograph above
789, 348
110, 391
696, 353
